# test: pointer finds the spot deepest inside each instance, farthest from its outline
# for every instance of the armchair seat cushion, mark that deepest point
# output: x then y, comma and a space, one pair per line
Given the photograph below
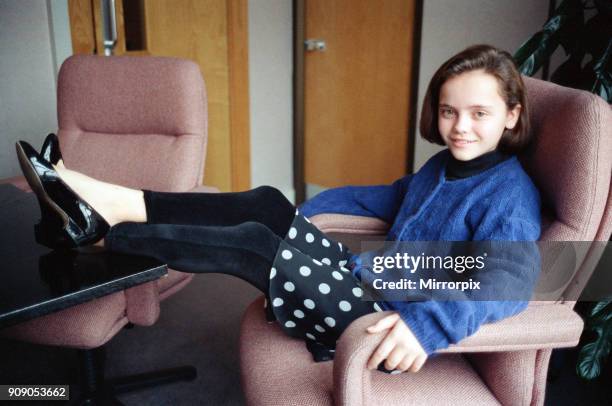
286, 373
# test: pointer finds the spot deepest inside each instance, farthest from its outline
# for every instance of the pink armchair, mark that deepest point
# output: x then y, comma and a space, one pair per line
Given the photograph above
140, 122
504, 362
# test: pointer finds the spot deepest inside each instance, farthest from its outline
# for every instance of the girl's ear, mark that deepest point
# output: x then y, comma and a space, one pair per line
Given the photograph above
513, 116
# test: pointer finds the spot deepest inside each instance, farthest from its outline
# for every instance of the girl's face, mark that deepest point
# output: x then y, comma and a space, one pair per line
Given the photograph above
472, 115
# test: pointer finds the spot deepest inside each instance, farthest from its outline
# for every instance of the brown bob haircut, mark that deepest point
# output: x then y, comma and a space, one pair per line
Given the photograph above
495, 62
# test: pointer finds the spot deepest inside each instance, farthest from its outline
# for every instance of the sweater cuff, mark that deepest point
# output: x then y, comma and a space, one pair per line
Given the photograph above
424, 327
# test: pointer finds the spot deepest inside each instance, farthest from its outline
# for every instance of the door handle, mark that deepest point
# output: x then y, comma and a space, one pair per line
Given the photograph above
109, 25
314, 44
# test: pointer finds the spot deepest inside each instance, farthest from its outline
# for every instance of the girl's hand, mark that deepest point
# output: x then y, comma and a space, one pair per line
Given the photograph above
400, 347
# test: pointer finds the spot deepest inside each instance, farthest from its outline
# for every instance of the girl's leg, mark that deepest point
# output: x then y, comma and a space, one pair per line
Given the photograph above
246, 250
265, 205
119, 204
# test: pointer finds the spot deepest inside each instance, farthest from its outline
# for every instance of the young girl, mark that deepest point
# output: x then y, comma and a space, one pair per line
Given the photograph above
475, 190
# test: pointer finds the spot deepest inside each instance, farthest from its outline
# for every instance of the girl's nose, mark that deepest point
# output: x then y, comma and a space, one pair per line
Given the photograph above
462, 124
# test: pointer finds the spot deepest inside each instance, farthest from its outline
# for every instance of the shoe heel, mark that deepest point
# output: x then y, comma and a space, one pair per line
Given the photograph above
51, 229
52, 237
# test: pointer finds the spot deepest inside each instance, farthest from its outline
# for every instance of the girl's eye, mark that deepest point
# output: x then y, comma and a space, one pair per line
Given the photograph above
481, 114
446, 113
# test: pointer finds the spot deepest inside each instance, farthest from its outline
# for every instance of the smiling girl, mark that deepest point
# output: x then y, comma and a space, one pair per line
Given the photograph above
475, 190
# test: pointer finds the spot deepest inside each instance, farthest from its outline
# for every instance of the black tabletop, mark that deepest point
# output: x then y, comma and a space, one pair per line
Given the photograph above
35, 280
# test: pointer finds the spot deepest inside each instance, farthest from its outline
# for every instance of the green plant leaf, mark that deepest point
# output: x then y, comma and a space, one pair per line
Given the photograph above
603, 74
537, 49
605, 306
600, 314
591, 355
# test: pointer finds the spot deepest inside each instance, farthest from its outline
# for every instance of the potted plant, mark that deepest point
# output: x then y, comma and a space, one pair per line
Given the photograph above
587, 43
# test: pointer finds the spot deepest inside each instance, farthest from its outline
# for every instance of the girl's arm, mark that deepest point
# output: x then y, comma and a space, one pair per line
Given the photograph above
382, 201
506, 285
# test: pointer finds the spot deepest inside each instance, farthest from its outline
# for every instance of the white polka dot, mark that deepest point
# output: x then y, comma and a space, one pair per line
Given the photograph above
272, 273
304, 271
342, 263
377, 307
344, 306
277, 302
310, 336
309, 304
325, 242
306, 218
330, 321
333, 350
395, 372
317, 262
324, 288
290, 324
296, 212
309, 237
299, 314
289, 287
337, 275
287, 254
326, 261
358, 292
340, 246
343, 269
319, 328
292, 232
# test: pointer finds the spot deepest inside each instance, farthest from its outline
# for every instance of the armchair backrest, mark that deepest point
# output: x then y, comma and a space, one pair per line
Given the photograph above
118, 117
571, 163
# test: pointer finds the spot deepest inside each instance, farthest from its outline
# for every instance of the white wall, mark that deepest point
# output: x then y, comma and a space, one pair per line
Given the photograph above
271, 99
59, 24
450, 26
29, 57
35, 39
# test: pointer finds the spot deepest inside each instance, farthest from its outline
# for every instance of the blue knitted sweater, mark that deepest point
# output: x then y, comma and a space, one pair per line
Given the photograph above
498, 204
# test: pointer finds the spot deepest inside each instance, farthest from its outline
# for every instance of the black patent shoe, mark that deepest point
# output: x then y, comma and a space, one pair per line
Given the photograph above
67, 221
50, 150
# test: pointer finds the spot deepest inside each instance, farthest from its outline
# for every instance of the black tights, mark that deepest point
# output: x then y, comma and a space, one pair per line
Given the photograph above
232, 233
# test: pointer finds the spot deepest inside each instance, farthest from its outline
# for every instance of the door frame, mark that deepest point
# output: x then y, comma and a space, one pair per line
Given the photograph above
299, 182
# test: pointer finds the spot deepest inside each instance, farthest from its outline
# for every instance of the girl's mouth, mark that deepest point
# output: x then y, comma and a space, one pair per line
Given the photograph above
461, 142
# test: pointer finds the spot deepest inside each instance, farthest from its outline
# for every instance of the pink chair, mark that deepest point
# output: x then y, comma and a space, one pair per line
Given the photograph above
140, 122
504, 362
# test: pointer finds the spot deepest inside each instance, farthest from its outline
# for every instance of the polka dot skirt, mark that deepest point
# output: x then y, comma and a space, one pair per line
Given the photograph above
312, 295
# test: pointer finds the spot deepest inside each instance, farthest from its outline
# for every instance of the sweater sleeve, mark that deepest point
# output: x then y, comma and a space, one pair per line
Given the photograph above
382, 201
506, 284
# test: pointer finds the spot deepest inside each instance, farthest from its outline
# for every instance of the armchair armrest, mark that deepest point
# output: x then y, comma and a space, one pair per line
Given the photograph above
348, 224
537, 327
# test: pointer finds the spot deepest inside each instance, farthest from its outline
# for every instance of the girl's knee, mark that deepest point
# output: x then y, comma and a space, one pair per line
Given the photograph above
271, 195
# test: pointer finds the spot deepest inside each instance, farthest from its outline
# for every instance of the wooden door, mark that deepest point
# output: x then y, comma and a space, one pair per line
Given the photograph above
357, 91
214, 34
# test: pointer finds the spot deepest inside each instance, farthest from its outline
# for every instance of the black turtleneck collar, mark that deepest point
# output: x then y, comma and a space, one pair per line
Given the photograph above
456, 169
